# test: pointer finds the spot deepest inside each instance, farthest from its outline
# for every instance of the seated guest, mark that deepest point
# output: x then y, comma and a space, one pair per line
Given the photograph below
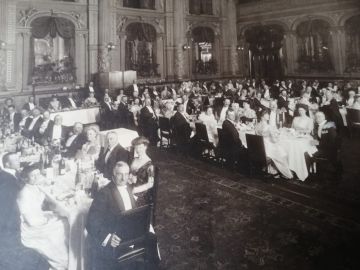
14, 118
69, 102
351, 98
248, 114
326, 138
135, 110
142, 172
8, 102
119, 96
91, 149
165, 94
75, 140
356, 104
107, 113
283, 101
208, 119
45, 123
30, 105
42, 231
181, 129
188, 104
24, 118
275, 115
272, 149
103, 221
32, 125
55, 131
13, 254
123, 114
168, 109
90, 88
110, 155
302, 123
238, 111
148, 122
231, 139
91, 101
54, 105
331, 110
220, 114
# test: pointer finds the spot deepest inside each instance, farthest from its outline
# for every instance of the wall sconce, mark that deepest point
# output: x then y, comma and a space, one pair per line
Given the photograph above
325, 48
2, 45
186, 47
110, 46
240, 48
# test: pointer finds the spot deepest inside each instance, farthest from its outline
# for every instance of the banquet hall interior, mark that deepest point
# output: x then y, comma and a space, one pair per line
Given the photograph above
179, 134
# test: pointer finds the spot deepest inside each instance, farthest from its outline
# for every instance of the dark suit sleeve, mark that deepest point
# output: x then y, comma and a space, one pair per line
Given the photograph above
99, 224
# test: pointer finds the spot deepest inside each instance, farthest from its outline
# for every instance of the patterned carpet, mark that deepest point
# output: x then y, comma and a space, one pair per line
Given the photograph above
210, 219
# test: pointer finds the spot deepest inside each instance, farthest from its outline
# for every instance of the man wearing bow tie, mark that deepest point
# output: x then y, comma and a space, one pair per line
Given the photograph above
112, 154
181, 128
148, 122
102, 222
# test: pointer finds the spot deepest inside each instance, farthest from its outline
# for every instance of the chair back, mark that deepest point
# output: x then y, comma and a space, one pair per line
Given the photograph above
201, 132
164, 124
134, 225
256, 149
222, 142
353, 116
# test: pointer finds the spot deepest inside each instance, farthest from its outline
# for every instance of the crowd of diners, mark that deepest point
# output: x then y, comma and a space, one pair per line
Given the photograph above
264, 107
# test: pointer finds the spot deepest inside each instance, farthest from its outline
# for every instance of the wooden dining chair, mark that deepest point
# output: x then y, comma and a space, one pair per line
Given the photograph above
257, 154
203, 140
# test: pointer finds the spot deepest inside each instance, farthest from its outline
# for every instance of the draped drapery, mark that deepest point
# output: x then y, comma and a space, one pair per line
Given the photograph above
61, 70
314, 46
53, 26
352, 34
141, 31
199, 7
203, 34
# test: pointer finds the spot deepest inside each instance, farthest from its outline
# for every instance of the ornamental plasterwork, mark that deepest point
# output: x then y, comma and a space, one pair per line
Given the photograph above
120, 23
213, 25
25, 16
78, 18
123, 21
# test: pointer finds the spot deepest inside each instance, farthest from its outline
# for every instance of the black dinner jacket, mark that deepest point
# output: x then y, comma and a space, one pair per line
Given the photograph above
103, 214
76, 145
123, 114
67, 104
333, 114
190, 107
16, 121
329, 141
27, 106
146, 117
48, 134
181, 127
117, 154
230, 135
283, 103
35, 131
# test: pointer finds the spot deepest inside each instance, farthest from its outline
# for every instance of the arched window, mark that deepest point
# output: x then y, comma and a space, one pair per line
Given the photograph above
201, 7
352, 44
204, 61
265, 51
140, 52
143, 4
52, 51
314, 46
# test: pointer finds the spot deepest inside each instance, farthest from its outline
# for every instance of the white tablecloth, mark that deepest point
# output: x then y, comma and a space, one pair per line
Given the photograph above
125, 136
84, 116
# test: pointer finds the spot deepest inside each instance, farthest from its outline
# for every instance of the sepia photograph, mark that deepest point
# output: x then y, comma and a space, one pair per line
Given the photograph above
179, 134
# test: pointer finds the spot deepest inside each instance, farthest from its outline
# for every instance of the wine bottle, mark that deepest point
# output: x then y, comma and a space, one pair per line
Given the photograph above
62, 167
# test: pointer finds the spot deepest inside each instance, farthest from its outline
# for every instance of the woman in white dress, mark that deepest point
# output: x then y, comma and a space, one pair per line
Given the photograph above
208, 119
273, 150
43, 231
91, 149
303, 124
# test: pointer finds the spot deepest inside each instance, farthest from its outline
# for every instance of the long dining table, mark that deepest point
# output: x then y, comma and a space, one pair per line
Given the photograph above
81, 115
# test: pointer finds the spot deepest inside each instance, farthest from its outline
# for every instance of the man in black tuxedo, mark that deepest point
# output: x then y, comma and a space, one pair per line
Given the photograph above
110, 155
30, 105
107, 113
75, 140
332, 112
283, 100
148, 122
181, 129
55, 131
14, 118
32, 125
103, 221
123, 113
69, 102
188, 104
13, 255
275, 90
231, 139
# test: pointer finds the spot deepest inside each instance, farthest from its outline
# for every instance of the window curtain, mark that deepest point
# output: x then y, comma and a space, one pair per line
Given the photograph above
199, 7
141, 31
203, 34
53, 26
352, 44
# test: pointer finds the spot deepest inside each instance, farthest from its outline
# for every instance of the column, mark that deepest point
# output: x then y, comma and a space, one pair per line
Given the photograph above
291, 51
24, 65
80, 55
122, 48
93, 38
179, 38
160, 54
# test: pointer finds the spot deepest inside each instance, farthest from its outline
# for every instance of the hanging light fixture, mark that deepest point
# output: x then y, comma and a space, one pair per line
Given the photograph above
110, 46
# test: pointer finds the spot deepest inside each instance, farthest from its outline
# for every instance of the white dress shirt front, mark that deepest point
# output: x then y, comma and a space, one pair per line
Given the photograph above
56, 132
